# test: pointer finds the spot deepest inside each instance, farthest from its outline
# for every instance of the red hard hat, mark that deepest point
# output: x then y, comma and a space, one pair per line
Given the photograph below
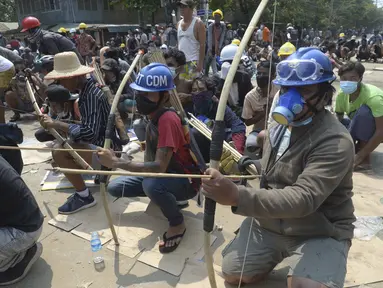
29, 23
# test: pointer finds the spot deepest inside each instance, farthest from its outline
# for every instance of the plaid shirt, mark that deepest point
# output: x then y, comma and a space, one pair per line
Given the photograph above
94, 110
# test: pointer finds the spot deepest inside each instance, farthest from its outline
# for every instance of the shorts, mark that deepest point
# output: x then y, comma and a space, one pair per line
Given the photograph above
190, 71
323, 260
6, 77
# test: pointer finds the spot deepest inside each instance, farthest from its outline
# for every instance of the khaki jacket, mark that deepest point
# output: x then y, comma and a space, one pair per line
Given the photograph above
310, 185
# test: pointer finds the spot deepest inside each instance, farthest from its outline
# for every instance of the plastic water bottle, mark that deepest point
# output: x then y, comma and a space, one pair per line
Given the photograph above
96, 246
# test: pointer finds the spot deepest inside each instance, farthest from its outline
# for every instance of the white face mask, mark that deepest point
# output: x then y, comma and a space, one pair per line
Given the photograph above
173, 71
81, 31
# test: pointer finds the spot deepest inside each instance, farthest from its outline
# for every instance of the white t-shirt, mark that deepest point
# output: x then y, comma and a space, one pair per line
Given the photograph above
233, 96
5, 64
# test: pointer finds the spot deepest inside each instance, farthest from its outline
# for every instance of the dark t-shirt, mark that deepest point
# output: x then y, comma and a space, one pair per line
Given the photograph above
18, 207
53, 43
350, 44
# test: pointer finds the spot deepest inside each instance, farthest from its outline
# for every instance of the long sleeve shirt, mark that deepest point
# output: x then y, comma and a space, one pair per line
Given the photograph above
94, 110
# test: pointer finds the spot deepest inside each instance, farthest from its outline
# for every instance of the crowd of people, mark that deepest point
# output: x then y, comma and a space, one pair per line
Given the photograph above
305, 155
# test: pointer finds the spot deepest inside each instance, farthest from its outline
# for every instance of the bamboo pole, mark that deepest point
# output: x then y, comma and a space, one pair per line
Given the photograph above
108, 142
201, 127
216, 146
145, 174
47, 149
55, 134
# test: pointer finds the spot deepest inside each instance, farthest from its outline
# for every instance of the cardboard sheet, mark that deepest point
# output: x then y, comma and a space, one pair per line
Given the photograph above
135, 230
57, 181
65, 222
34, 156
364, 262
174, 262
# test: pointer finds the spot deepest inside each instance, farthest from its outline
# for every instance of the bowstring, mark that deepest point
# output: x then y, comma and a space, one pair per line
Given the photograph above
265, 125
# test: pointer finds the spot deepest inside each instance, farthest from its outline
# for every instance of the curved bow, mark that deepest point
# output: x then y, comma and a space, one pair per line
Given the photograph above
218, 135
108, 140
55, 134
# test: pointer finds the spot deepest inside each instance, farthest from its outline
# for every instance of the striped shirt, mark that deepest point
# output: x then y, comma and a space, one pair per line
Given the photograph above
94, 110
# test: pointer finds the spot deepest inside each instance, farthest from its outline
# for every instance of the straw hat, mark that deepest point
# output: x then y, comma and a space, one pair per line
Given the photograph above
67, 65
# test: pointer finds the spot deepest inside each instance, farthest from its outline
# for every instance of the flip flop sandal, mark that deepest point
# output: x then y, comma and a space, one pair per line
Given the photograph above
164, 249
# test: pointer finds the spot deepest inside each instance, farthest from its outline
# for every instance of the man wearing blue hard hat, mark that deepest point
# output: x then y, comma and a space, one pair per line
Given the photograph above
167, 151
303, 209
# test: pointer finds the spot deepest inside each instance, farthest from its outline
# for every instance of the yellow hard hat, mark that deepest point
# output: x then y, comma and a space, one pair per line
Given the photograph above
229, 25
236, 42
219, 12
62, 30
286, 49
122, 45
341, 35
82, 26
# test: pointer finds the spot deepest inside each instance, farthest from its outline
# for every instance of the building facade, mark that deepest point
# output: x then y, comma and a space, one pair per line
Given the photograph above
53, 12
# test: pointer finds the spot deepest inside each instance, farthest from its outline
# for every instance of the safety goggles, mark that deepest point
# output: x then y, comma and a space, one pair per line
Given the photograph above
303, 69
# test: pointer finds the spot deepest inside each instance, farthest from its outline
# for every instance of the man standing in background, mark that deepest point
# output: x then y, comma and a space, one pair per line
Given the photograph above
265, 34
85, 43
191, 39
215, 38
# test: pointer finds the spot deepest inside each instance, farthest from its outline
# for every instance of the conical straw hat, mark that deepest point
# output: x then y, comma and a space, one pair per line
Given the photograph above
67, 65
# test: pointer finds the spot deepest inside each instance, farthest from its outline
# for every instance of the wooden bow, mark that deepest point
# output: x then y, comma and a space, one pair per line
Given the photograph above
218, 135
108, 140
55, 134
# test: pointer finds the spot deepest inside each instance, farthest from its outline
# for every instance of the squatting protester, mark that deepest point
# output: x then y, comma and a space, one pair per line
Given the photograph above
167, 151
94, 110
303, 210
21, 223
363, 105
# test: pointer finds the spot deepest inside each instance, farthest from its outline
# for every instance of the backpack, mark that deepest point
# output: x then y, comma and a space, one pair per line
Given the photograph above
174, 166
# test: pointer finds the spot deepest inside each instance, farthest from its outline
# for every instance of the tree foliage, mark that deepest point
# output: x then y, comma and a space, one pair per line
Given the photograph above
8, 11
314, 13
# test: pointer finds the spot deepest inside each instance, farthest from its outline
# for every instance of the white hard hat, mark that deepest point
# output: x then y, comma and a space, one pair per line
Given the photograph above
353, 37
228, 52
164, 46
72, 30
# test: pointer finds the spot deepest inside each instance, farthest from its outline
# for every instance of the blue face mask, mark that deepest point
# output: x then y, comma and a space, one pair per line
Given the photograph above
348, 87
289, 106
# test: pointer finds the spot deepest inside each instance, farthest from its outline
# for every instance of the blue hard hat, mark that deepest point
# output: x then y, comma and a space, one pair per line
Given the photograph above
155, 77
307, 66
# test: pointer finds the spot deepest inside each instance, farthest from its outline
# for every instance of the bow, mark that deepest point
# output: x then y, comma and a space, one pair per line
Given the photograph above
218, 136
108, 140
55, 134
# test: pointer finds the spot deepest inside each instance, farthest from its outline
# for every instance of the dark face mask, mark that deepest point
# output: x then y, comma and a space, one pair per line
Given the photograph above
145, 106
262, 81
203, 107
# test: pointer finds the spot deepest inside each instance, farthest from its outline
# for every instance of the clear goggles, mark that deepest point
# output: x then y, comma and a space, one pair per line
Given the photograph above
303, 69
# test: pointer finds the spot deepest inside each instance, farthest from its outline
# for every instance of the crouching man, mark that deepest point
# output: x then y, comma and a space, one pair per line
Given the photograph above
20, 226
363, 105
167, 151
303, 209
